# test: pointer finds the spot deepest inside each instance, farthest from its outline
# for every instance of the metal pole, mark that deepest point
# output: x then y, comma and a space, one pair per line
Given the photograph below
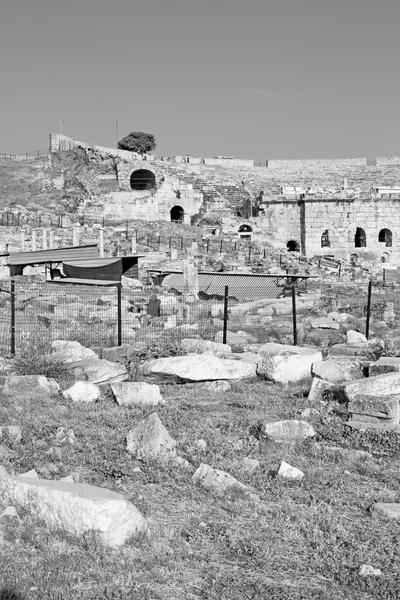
225, 315
12, 298
119, 316
384, 276
220, 247
294, 315
368, 309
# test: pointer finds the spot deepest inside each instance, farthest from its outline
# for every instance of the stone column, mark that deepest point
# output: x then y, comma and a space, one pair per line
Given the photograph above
75, 236
51, 238
23, 240
133, 244
44, 239
190, 278
101, 242
33, 243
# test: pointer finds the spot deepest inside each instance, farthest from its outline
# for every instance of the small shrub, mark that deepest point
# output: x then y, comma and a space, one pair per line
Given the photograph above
35, 358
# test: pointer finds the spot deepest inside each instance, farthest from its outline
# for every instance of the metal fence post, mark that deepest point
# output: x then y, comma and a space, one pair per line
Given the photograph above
294, 315
12, 300
119, 314
368, 309
384, 277
225, 315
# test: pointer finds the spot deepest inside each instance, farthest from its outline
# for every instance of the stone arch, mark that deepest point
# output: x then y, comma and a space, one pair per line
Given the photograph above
143, 179
177, 214
245, 232
360, 238
293, 246
325, 239
386, 237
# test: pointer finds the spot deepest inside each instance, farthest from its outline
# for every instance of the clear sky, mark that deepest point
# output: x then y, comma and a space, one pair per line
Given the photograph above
245, 78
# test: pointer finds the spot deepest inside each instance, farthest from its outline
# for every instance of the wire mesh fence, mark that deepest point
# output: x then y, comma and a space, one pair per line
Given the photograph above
106, 316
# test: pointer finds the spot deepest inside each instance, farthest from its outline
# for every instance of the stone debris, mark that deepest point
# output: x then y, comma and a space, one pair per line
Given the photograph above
375, 399
195, 368
193, 346
218, 481
385, 364
98, 371
368, 571
288, 366
75, 508
287, 431
336, 452
251, 465
29, 475
356, 338
30, 386
9, 513
336, 371
217, 386
82, 391
150, 440
67, 352
65, 436
286, 471
390, 510
130, 393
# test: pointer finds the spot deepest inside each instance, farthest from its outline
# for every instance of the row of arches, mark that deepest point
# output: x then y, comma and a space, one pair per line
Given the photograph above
385, 236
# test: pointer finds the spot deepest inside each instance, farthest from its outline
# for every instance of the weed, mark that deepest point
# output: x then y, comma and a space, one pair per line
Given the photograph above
35, 358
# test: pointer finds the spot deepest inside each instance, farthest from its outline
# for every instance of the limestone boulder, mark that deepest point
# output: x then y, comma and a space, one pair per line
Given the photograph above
14, 432
217, 386
361, 351
325, 391
355, 338
117, 353
68, 352
387, 509
150, 440
286, 471
99, 371
235, 340
220, 482
129, 393
30, 386
75, 508
194, 346
286, 431
375, 399
385, 364
195, 368
336, 371
82, 391
288, 367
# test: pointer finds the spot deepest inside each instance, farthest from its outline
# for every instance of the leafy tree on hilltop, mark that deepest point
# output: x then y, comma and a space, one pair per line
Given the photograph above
138, 141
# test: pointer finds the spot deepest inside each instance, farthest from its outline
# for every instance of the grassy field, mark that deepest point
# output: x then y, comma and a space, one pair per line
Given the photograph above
300, 540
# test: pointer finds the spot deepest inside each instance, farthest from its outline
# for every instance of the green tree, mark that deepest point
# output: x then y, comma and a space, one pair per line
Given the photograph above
138, 141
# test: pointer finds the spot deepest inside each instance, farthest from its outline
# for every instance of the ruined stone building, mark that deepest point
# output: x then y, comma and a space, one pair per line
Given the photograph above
343, 208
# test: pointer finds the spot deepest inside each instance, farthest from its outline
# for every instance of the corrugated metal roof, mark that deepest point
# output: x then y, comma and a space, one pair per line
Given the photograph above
54, 255
239, 286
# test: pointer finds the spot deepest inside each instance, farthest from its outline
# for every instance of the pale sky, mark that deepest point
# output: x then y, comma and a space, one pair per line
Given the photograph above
251, 78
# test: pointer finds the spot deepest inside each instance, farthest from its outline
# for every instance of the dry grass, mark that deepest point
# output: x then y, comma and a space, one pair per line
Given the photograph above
302, 540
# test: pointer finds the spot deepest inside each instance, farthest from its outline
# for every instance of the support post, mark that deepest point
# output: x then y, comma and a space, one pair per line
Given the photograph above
101, 243
119, 316
226, 294
51, 239
384, 277
12, 298
44, 238
220, 246
23, 240
368, 309
33, 244
75, 236
294, 315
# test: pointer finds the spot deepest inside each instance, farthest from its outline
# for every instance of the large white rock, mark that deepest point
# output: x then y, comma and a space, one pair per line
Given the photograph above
129, 393
75, 508
151, 441
30, 386
68, 352
375, 399
288, 367
82, 391
96, 370
286, 471
218, 481
192, 346
196, 367
287, 431
355, 338
337, 371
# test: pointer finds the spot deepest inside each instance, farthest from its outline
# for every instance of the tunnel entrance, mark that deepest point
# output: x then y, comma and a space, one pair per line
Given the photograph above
142, 179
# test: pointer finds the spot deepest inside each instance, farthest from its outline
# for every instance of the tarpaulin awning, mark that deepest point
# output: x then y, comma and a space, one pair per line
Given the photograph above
109, 269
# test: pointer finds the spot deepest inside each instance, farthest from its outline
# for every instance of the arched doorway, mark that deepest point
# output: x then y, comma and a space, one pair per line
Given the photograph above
385, 237
245, 232
177, 214
360, 238
293, 246
325, 241
385, 258
143, 179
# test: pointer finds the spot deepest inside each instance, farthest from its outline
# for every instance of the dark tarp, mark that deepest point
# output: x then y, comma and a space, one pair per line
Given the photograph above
108, 268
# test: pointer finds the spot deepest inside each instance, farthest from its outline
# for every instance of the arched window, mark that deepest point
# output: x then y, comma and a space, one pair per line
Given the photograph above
385, 237
325, 241
293, 246
360, 238
177, 214
143, 179
245, 232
